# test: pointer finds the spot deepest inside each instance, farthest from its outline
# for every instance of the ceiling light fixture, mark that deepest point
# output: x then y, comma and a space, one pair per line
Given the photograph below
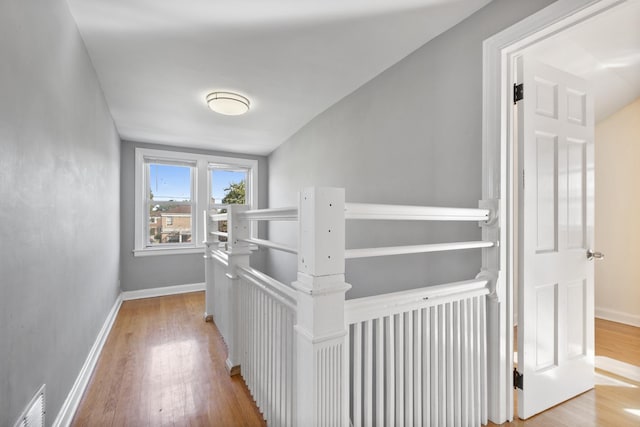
228, 103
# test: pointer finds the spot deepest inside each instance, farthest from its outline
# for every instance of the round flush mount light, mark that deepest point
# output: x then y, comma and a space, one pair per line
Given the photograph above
228, 103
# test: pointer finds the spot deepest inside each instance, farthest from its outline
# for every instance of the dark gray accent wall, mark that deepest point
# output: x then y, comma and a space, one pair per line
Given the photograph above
412, 135
145, 272
59, 205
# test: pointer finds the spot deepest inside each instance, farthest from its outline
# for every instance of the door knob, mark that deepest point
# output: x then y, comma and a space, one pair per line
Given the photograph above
594, 255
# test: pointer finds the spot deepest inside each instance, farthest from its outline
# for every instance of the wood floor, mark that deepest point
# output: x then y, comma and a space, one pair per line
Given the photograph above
615, 401
163, 365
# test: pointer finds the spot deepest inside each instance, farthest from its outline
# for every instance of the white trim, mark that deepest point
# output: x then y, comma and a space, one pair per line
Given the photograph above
617, 367
168, 251
70, 405
617, 316
162, 291
499, 52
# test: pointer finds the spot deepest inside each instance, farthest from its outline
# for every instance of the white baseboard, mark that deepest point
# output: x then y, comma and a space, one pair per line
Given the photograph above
70, 405
617, 316
163, 291
68, 410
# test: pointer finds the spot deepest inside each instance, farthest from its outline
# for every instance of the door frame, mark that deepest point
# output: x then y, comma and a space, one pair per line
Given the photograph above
499, 194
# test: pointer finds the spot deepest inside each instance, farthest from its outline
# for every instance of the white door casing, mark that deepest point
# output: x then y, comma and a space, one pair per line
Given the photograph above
499, 183
555, 123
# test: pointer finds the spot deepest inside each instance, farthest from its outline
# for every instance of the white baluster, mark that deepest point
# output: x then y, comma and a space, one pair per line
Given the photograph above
368, 373
457, 393
399, 370
417, 366
357, 375
380, 372
278, 372
464, 363
426, 366
290, 384
435, 368
408, 366
442, 366
450, 362
390, 367
483, 359
476, 358
471, 362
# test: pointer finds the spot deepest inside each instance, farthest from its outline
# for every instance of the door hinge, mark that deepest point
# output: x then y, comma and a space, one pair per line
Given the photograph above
517, 379
518, 92
522, 178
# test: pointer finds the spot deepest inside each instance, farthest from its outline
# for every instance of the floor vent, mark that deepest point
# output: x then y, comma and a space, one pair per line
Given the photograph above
33, 415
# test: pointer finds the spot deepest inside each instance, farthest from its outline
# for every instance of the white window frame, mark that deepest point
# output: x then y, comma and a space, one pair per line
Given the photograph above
234, 167
201, 187
192, 165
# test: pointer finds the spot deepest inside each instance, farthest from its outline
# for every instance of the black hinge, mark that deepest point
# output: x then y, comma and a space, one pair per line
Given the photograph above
518, 92
517, 379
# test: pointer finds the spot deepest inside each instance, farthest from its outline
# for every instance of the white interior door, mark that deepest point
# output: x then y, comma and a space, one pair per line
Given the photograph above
555, 296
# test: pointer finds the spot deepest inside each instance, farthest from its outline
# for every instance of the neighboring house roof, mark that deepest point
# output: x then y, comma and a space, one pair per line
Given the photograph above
179, 209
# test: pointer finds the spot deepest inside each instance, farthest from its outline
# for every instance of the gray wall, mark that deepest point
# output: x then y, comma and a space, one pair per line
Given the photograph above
59, 198
412, 135
165, 270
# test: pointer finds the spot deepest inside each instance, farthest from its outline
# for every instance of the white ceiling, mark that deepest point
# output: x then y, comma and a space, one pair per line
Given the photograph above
157, 59
604, 50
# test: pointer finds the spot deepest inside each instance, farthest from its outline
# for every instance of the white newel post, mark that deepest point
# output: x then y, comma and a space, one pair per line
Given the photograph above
210, 242
239, 253
322, 380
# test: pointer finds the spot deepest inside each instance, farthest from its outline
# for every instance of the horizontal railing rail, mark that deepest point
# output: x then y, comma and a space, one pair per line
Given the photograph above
273, 214
258, 278
219, 217
219, 233
418, 213
413, 249
373, 307
221, 256
271, 245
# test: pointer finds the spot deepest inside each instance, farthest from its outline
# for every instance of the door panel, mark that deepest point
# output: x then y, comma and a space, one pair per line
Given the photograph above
555, 316
546, 173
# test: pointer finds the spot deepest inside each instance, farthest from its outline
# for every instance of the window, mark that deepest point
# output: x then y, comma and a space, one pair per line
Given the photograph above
173, 191
227, 185
169, 195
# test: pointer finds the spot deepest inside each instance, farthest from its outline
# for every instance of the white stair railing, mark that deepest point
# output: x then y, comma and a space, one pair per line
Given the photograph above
417, 357
267, 312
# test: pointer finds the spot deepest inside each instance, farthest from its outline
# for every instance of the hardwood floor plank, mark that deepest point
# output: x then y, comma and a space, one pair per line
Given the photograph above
163, 365
605, 405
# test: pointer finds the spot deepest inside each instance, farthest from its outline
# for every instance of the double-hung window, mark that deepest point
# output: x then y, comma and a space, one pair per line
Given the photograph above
173, 190
228, 184
170, 204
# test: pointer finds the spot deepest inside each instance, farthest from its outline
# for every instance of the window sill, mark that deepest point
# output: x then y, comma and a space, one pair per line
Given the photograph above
168, 251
